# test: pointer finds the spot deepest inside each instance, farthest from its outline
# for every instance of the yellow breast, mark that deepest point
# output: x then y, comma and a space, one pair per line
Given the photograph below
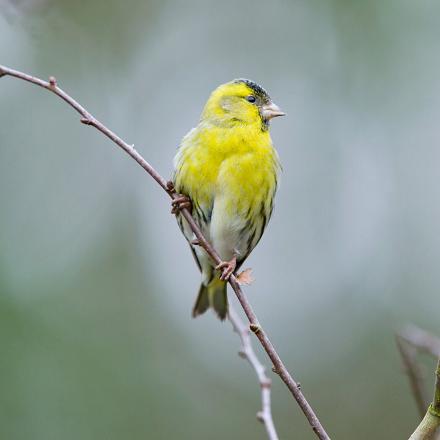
238, 163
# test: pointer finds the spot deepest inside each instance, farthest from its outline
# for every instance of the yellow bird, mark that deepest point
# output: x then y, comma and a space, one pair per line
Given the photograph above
226, 172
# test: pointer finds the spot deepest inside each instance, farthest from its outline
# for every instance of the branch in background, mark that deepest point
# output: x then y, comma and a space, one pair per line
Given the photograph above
279, 367
410, 341
408, 354
248, 353
422, 340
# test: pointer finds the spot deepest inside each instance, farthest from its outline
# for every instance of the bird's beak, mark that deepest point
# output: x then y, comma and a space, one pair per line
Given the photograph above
271, 110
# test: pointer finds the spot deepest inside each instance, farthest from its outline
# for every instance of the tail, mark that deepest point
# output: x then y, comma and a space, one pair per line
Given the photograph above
213, 295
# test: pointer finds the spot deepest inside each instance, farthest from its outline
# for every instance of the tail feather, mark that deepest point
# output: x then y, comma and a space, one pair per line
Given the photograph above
213, 295
202, 302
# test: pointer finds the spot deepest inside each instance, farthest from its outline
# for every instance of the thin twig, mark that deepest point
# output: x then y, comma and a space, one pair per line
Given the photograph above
408, 354
410, 341
255, 326
435, 406
247, 352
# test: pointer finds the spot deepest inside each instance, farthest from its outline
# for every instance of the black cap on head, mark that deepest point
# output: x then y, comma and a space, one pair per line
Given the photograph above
258, 90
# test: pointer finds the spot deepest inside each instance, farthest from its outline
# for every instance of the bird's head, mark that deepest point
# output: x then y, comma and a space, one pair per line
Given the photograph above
240, 101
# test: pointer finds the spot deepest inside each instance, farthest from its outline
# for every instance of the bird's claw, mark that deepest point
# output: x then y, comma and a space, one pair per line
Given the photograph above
179, 203
227, 268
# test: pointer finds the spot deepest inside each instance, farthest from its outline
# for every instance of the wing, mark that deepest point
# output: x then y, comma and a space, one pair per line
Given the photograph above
254, 230
202, 219
190, 180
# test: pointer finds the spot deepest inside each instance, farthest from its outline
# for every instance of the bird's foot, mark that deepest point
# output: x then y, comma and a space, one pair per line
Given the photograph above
179, 203
245, 277
227, 268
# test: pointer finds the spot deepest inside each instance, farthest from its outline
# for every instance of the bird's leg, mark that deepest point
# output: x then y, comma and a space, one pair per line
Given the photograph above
227, 268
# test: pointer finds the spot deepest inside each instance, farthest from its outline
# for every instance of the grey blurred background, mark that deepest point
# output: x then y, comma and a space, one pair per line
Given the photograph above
96, 281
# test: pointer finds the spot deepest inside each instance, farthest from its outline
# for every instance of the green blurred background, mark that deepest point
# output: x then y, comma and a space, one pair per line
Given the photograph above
96, 282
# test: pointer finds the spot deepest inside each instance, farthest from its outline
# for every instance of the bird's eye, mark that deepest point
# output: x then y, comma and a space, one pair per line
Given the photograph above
251, 98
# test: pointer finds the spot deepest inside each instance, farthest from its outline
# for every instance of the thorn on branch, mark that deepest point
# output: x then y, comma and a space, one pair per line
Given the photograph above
260, 416
242, 354
86, 121
52, 82
255, 328
170, 187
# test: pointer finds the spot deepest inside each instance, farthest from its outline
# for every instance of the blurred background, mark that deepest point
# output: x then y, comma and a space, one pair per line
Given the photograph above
96, 281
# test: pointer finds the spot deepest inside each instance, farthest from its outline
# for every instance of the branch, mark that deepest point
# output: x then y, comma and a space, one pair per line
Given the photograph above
410, 341
248, 353
279, 367
429, 428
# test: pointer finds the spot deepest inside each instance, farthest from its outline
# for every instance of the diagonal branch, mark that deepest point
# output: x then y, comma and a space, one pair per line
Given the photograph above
408, 354
248, 353
279, 367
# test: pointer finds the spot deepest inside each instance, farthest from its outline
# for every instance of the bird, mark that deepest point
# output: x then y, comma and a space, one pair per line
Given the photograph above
226, 172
